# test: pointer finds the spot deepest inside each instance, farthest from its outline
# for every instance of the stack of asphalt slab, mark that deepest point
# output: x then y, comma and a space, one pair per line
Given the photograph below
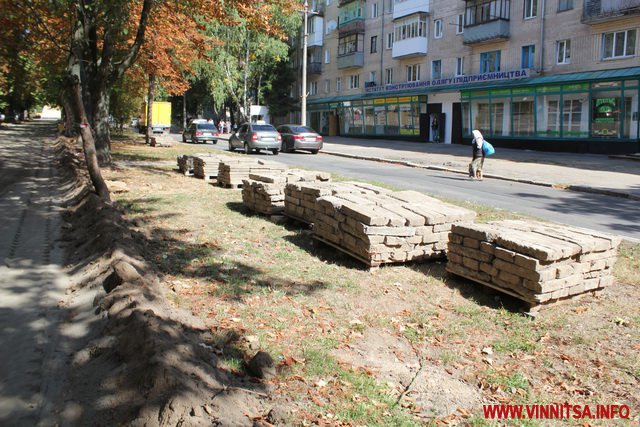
300, 198
264, 193
387, 227
185, 164
535, 262
205, 166
372, 224
233, 170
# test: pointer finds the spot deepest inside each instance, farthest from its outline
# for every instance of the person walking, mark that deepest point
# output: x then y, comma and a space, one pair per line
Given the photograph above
477, 161
435, 135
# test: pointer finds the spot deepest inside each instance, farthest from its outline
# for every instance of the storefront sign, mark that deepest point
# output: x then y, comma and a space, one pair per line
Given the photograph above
498, 75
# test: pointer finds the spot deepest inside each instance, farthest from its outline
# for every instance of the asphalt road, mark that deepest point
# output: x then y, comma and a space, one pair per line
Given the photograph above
598, 212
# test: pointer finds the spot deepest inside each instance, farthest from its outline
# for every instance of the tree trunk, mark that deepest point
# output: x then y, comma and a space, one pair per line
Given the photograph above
69, 122
101, 125
150, 95
184, 110
88, 143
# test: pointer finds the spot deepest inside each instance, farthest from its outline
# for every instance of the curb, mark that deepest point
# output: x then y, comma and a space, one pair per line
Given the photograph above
576, 188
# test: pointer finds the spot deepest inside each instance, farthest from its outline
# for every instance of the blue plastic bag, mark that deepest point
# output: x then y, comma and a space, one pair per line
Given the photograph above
487, 148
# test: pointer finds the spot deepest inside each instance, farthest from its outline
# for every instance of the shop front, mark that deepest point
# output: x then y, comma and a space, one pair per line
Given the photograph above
399, 117
594, 112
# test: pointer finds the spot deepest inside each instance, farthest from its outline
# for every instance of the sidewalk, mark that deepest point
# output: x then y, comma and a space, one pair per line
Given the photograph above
593, 173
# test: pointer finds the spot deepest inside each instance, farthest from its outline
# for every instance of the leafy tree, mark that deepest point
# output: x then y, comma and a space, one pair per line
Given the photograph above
102, 39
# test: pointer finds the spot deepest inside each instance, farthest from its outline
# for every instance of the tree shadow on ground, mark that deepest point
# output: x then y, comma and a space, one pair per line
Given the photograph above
468, 289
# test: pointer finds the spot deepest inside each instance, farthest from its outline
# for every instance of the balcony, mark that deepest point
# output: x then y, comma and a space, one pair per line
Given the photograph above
408, 48
409, 7
314, 68
596, 11
316, 37
497, 29
351, 60
352, 27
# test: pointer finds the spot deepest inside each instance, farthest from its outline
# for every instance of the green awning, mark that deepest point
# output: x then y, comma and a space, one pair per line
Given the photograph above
582, 77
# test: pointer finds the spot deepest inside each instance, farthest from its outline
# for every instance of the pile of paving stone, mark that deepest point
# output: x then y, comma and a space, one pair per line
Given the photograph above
185, 164
264, 193
300, 202
532, 261
161, 141
387, 227
233, 170
205, 166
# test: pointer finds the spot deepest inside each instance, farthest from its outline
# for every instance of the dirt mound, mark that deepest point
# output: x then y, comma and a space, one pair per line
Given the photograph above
138, 361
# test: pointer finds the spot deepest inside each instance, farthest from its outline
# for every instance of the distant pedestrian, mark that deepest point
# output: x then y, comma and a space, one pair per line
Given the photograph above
477, 162
221, 126
434, 130
228, 125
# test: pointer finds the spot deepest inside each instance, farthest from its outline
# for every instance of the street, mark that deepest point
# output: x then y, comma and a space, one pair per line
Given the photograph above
598, 212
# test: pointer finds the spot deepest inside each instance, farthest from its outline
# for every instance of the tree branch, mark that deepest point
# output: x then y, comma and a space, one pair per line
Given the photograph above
137, 44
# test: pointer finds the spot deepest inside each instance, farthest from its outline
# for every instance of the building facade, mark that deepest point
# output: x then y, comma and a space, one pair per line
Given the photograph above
556, 75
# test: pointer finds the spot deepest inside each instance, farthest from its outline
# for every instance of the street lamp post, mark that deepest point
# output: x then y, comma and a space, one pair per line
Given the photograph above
303, 110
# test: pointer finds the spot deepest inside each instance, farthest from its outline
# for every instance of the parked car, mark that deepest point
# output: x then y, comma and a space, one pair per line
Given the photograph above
298, 137
256, 136
201, 132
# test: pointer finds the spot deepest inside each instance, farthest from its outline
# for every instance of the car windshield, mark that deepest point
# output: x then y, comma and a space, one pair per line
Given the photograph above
302, 129
268, 128
207, 126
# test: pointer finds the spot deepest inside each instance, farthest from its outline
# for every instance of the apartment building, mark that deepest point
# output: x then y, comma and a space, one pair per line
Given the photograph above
557, 75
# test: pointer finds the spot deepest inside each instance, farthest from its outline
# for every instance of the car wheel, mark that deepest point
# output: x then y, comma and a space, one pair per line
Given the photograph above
246, 148
314, 151
275, 151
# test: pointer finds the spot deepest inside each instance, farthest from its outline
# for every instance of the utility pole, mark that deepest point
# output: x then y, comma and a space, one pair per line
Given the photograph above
303, 112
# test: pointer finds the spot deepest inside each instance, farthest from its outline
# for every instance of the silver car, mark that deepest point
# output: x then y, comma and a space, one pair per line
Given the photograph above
255, 137
298, 137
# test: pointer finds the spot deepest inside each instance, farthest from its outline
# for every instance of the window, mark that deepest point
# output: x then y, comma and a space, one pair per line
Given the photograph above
388, 76
490, 61
354, 81
459, 66
338, 84
413, 73
374, 10
530, 9
389, 40
327, 56
436, 69
311, 26
460, 24
618, 44
437, 28
328, 2
571, 116
374, 44
373, 76
415, 26
528, 56
486, 11
563, 52
327, 86
313, 88
350, 44
565, 5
